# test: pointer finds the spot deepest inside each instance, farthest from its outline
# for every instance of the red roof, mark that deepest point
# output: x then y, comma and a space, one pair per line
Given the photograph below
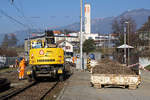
56, 32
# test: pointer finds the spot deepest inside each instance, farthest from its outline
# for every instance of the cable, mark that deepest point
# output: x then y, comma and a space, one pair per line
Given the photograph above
20, 10
22, 14
21, 7
13, 19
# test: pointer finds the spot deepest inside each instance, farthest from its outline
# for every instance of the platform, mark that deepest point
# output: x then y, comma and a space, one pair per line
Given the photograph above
78, 88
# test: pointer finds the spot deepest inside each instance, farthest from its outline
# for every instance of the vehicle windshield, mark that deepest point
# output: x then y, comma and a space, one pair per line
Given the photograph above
36, 44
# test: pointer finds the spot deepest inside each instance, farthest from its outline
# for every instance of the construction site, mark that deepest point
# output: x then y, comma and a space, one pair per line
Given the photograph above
65, 64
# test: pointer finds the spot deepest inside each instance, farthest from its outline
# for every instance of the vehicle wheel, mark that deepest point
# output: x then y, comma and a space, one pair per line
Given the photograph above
30, 78
61, 78
34, 76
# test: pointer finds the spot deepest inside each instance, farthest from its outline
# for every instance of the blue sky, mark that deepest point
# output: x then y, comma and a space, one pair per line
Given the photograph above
53, 13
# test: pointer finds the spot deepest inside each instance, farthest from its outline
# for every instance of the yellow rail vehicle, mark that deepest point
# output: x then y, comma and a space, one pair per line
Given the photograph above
46, 56
46, 59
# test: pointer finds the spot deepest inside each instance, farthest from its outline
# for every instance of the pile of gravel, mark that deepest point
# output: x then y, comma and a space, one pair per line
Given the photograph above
107, 66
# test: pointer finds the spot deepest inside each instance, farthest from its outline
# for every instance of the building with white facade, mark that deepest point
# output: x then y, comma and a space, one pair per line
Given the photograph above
74, 40
67, 46
90, 36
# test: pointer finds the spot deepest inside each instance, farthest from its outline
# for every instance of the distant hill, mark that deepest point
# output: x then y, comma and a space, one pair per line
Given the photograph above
103, 25
98, 25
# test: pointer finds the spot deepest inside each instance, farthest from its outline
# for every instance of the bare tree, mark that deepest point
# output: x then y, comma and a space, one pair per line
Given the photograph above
13, 40
5, 41
115, 26
118, 27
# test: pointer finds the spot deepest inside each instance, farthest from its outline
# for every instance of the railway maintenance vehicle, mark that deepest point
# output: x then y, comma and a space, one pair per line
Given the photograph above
46, 59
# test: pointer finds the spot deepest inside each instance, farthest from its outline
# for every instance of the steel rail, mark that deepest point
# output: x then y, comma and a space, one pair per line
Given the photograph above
42, 98
14, 93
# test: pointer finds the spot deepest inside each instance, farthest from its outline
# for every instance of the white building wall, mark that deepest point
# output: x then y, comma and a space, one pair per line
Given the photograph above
67, 38
90, 36
68, 47
87, 18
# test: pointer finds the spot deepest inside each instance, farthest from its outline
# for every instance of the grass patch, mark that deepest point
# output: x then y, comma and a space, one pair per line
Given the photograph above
147, 67
4, 68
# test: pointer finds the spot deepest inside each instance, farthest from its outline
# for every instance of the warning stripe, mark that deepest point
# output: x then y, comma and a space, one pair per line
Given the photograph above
133, 65
140, 66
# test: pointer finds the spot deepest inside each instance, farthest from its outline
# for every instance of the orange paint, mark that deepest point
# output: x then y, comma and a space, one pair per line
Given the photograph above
22, 68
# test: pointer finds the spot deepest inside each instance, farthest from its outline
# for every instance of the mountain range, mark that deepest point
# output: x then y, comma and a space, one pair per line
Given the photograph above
104, 25
98, 25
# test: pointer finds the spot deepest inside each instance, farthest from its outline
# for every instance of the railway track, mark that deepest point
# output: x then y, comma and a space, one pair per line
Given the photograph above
34, 91
14, 92
23, 90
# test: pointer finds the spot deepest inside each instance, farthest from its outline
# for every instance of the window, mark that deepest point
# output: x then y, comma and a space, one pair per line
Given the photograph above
37, 44
90, 37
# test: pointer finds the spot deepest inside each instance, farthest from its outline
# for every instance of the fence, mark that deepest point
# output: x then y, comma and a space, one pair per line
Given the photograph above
7, 61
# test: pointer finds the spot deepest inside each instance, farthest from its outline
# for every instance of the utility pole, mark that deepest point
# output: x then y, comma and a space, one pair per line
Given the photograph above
125, 30
109, 40
128, 31
29, 43
128, 44
12, 1
81, 36
65, 47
